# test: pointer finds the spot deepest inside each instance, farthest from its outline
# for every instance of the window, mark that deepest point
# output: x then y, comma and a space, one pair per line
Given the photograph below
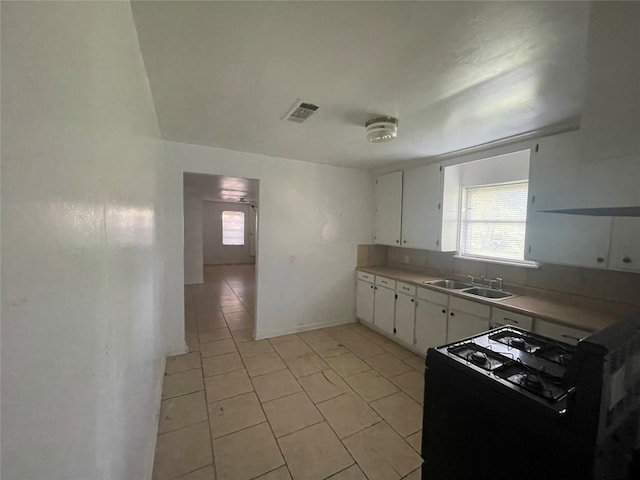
493, 221
232, 228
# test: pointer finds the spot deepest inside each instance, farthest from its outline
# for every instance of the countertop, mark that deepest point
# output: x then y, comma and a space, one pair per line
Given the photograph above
573, 311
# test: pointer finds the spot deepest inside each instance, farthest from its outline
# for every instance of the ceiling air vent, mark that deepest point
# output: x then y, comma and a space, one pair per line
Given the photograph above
301, 111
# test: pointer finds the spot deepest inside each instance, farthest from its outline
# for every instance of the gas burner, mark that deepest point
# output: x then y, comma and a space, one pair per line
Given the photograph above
523, 342
479, 358
532, 381
478, 355
557, 354
537, 382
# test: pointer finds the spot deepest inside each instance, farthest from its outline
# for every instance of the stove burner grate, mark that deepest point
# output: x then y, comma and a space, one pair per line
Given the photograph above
538, 382
557, 354
518, 341
478, 355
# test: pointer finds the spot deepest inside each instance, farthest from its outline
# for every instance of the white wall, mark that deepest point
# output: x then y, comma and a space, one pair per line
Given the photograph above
215, 253
82, 333
314, 213
193, 236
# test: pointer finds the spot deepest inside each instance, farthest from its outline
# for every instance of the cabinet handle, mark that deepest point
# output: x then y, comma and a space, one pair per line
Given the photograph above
371, 286
404, 241
412, 300
452, 314
626, 260
444, 311
507, 319
397, 241
600, 259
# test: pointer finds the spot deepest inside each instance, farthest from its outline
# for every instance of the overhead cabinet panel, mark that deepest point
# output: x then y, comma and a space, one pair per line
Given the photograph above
554, 237
625, 244
388, 195
420, 207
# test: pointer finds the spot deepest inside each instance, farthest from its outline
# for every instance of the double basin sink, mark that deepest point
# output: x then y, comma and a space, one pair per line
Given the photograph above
471, 289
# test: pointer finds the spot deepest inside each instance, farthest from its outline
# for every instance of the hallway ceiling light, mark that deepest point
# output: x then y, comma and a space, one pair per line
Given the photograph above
382, 129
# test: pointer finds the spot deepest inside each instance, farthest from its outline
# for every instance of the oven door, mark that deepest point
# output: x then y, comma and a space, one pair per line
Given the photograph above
475, 427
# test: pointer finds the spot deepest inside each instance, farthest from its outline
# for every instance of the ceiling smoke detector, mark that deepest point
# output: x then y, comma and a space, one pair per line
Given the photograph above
382, 129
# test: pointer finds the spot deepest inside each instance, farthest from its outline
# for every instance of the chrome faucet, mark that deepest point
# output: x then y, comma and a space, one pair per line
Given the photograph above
497, 281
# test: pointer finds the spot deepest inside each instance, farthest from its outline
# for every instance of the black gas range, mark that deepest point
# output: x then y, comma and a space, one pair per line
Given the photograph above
509, 403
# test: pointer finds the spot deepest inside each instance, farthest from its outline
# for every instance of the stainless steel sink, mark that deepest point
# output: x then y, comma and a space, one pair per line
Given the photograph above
489, 292
451, 284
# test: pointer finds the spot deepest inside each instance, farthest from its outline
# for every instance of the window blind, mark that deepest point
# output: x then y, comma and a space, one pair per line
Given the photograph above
232, 228
493, 221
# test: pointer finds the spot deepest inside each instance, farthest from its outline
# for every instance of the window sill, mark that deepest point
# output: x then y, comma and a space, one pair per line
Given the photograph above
533, 265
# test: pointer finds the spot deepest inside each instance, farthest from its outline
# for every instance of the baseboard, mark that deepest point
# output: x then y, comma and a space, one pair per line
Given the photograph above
178, 351
156, 409
304, 328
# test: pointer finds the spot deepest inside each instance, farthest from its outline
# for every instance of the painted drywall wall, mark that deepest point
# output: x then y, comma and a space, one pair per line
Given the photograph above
311, 219
193, 239
82, 339
215, 253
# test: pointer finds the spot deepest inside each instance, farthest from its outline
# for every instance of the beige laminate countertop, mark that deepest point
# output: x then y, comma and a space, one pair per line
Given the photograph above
570, 310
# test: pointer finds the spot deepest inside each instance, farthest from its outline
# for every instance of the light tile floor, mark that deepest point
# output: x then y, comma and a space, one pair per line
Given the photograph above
340, 402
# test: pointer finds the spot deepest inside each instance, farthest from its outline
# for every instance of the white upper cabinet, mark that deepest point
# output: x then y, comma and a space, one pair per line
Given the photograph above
625, 244
420, 207
561, 238
388, 195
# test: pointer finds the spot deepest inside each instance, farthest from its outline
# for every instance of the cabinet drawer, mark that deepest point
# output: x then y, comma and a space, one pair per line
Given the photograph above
433, 296
385, 282
367, 277
470, 307
559, 332
406, 288
500, 317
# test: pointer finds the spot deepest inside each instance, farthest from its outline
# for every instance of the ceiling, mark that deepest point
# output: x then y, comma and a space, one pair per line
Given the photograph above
216, 188
455, 74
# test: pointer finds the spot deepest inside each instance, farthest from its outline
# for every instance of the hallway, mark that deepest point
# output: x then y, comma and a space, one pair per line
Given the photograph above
341, 402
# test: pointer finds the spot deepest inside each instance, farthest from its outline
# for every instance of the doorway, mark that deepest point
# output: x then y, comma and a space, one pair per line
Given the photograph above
220, 256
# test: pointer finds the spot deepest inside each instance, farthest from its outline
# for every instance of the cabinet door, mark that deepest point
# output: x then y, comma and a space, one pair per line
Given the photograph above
384, 311
554, 184
431, 325
559, 332
364, 301
568, 239
420, 214
405, 318
388, 209
462, 325
625, 244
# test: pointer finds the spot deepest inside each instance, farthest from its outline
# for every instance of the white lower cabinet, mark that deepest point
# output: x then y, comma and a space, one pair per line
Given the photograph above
559, 332
405, 318
431, 325
365, 293
384, 310
466, 318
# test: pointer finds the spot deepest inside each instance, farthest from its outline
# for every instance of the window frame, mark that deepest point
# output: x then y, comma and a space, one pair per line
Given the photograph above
244, 228
486, 258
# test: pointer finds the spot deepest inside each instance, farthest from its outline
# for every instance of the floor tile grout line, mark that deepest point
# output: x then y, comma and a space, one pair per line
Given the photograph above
206, 406
183, 427
267, 418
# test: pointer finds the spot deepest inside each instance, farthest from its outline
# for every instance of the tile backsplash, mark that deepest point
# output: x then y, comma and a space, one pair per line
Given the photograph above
606, 285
